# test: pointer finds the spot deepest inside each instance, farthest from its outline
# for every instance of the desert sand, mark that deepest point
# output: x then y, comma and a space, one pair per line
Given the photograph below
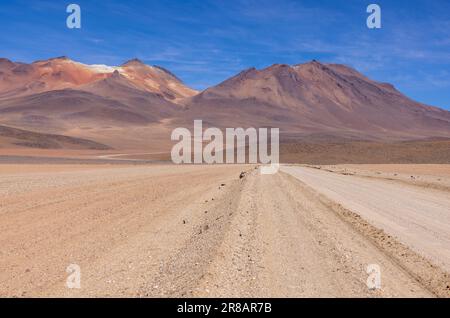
187, 231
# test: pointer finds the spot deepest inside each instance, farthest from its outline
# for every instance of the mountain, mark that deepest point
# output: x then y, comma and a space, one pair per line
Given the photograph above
318, 99
20, 79
61, 96
135, 106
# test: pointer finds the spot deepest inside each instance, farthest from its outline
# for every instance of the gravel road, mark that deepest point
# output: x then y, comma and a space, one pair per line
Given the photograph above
188, 231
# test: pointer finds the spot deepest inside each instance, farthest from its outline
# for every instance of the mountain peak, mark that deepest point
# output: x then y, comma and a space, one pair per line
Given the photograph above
322, 97
133, 62
60, 73
312, 63
60, 58
6, 63
53, 59
277, 65
4, 60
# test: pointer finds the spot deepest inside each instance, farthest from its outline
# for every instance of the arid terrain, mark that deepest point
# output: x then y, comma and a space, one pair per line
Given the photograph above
161, 230
63, 104
86, 179
193, 152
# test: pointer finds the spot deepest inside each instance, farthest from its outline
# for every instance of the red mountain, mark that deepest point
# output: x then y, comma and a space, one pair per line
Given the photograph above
319, 98
136, 105
18, 79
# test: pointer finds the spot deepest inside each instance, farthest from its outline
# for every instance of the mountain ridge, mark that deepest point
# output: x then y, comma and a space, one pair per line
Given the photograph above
57, 73
335, 96
137, 102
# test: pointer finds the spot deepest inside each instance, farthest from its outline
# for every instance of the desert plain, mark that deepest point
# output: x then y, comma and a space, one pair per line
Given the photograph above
140, 229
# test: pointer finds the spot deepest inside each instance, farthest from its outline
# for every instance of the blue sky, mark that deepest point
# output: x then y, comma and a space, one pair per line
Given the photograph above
205, 42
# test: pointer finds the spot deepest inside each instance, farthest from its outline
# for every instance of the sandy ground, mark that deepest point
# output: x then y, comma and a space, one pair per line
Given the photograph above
420, 218
149, 231
435, 176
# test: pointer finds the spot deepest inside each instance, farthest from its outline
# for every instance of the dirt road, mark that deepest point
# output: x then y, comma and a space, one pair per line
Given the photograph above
149, 231
417, 216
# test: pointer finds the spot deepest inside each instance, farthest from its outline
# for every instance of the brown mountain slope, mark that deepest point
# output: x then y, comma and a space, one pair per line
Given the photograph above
155, 79
129, 98
23, 138
56, 111
120, 88
136, 106
315, 98
19, 79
